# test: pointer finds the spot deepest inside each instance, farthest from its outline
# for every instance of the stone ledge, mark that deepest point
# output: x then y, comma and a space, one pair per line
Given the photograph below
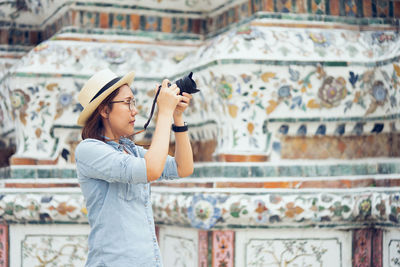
205, 209
276, 208
285, 168
285, 182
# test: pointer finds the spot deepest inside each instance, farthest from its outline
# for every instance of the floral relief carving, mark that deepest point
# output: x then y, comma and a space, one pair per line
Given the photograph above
205, 210
332, 91
244, 98
290, 253
19, 101
394, 252
47, 250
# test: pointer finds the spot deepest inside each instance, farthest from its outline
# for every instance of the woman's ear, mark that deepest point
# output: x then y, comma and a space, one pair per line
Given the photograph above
104, 111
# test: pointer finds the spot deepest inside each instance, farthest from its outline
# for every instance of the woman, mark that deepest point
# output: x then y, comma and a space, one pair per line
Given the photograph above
114, 173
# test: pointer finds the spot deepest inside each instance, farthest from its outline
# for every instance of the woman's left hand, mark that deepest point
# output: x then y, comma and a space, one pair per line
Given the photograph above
181, 107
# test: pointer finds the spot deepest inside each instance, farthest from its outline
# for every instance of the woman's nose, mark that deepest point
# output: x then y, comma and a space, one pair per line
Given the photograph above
134, 111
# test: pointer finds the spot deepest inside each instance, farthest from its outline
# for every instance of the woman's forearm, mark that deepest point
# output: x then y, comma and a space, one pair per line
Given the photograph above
158, 150
183, 151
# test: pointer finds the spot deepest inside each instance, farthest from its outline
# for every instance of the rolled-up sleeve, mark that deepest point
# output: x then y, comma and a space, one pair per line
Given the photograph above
96, 159
170, 168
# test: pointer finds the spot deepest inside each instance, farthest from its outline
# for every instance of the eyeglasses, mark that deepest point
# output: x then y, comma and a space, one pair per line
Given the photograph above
132, 103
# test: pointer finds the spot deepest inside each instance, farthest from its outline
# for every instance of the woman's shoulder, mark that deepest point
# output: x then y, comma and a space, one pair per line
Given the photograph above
88, 144
91, 140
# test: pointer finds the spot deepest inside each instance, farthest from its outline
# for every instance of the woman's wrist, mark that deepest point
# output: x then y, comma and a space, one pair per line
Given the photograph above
178, 120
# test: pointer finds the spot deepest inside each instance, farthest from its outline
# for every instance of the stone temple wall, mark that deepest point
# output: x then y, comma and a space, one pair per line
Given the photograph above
295, 130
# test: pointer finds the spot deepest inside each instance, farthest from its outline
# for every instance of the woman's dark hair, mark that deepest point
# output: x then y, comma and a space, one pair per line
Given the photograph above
94, 127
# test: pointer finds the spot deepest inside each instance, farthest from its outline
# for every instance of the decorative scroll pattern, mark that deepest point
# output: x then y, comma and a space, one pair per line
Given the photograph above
206, 210
46, 208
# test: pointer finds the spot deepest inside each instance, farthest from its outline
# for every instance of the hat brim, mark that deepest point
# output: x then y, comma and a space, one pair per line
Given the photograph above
92, 106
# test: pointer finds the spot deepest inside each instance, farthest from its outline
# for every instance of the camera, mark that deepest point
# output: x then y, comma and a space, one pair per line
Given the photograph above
186, 84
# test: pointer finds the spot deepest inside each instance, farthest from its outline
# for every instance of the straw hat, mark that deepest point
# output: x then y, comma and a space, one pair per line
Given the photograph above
97, 88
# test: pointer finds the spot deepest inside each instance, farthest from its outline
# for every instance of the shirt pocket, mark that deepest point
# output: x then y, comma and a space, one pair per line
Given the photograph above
129, 192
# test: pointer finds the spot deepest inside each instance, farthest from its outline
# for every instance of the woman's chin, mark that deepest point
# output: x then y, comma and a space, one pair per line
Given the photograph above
131, 131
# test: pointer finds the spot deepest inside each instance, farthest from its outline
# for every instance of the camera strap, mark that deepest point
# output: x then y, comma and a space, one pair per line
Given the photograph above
152, 108
151, 112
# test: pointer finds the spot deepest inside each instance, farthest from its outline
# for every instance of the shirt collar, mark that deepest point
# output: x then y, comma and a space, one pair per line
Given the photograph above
121, 141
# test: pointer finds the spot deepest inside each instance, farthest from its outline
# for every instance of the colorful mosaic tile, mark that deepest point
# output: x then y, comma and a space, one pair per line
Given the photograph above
382, 8
223, 248
257, 5
318, 7
90, 17
284, 6
367, 247
350, 8
362, 247
3, 245
269, 5
377, 95
367, 8
377, 248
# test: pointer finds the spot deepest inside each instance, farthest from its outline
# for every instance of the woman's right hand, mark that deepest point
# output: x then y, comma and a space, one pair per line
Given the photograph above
156, 156
168, 98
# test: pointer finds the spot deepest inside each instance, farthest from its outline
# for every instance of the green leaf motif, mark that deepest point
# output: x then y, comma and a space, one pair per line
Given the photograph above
346, 208
260, 105
235, 214
235, 209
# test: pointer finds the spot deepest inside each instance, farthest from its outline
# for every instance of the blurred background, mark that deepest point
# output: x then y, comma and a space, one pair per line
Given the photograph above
295, 132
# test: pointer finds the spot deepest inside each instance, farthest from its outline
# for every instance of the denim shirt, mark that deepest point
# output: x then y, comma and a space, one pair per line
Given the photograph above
117, 195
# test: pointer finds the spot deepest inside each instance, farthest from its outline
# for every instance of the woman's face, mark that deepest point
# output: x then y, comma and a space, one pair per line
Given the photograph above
121, 119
